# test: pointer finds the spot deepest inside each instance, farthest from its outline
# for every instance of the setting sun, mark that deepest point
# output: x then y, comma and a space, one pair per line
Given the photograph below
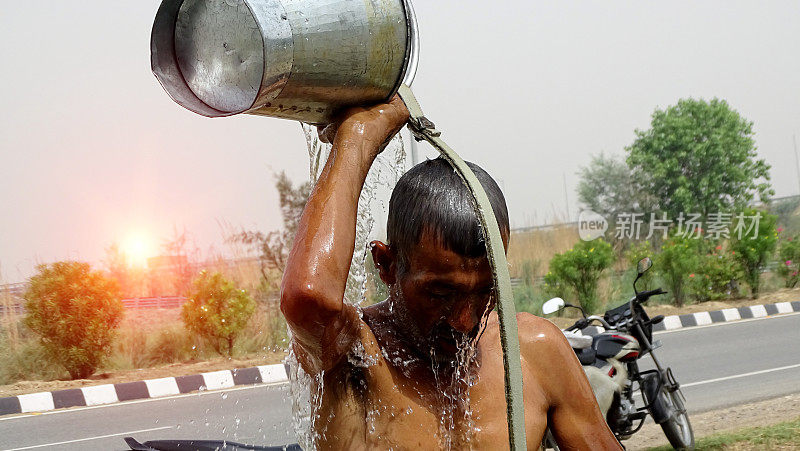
137, 247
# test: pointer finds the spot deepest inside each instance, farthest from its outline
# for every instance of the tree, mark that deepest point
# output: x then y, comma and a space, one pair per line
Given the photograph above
753, 248
75, 311
676, 263
217, 311
633, 255
273, 247
699, 157
578, 270
608, 187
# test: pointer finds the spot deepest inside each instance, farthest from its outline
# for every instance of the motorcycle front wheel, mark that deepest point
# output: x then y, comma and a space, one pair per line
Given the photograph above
677, 428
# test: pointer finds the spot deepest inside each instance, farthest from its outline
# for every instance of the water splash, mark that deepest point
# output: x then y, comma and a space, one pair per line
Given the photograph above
306, 391
453, 377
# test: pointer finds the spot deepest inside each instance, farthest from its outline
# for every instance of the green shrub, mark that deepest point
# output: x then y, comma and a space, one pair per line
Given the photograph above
217, 311
577, 271
136, 347
130, 349
715, 277
75, 312
677, 260
170, 345
635, 253
528, 299
754, 249
27, 361
789, 261
265, 333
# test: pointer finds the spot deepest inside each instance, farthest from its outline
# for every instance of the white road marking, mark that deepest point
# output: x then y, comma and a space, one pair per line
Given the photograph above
166, 386
759, 311
727, 323
90, 438
672, 322
270, 373
139, 401
218, 379
702, 318
100, 394
737, 376
731, 314
33, 402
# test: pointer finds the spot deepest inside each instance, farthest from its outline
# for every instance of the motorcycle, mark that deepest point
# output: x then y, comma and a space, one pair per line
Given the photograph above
610, 359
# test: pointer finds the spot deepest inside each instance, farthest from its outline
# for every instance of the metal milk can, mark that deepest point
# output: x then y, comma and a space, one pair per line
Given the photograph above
305, 60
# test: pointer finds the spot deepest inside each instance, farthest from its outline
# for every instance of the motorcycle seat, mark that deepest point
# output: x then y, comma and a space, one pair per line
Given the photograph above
578, 341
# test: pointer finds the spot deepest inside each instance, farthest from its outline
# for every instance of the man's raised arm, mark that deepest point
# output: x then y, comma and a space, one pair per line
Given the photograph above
312, 290
573, 417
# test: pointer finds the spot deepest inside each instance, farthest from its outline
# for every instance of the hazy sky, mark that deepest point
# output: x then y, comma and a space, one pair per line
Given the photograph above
93, 151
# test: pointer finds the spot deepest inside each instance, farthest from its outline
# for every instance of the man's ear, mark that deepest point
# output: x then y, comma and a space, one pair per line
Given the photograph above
385, 260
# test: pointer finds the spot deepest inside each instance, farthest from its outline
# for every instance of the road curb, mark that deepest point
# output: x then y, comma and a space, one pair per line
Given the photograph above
96, 395
674, 322
688, 320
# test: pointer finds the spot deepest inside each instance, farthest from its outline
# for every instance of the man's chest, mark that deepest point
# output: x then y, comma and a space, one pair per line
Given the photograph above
400, 411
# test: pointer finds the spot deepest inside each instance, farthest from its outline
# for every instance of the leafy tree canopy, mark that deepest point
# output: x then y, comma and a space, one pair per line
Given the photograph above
273, 247
607, 187
577, 271
699, 157
217, 311
74, 310
755, 247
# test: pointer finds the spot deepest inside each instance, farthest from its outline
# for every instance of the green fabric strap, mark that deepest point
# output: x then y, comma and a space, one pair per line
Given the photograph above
423, 129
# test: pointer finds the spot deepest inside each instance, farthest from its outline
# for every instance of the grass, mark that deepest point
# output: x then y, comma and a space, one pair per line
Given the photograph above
145, 339
778, 436
535, 248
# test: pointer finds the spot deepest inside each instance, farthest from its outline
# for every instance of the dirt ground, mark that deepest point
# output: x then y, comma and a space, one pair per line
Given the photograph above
762, 413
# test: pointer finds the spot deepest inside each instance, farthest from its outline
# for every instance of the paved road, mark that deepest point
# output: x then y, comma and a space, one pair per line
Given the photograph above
714, 364
704, 359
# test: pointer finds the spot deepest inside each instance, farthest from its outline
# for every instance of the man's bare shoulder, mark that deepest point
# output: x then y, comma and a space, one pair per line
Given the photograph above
535, 330
536, 334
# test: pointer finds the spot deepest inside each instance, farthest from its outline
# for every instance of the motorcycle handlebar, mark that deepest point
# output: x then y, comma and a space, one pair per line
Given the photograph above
584, 322
643, 296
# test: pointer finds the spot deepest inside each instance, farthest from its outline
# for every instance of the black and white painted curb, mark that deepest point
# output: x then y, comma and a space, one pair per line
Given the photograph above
674, 322
154, 388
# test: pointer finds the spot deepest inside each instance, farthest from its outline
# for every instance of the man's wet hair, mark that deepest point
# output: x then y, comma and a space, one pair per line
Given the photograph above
431, 197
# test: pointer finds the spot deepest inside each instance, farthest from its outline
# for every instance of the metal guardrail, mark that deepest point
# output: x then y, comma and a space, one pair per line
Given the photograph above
155, 302
18, 309
165, 302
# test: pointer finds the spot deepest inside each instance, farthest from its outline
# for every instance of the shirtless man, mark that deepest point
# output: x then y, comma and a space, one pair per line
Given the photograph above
424, 368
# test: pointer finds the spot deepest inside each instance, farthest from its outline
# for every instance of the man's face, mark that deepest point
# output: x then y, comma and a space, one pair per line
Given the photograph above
442, 298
